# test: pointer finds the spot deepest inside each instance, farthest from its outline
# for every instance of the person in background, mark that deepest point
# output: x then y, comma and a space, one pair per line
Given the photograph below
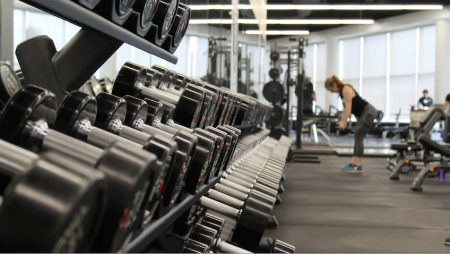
308, 88
362, 110
425, 102
447, 102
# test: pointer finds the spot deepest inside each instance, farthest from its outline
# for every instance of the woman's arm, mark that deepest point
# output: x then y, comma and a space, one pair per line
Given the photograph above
348, 94
445, 105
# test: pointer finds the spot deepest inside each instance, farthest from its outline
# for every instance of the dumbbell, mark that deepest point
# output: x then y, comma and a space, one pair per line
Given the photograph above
130, 172
94, 86
117, 11
179, 27
140, 20
217, 140
203, 155
131, 80
251, 220
217, 223
191, 246
9, 83
78, 112
106, 84
211, 238
136, 116
172, 83
34, 190
225, 107
163, 19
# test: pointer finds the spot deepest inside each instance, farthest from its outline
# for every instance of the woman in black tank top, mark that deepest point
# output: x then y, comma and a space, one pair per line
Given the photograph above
362, 110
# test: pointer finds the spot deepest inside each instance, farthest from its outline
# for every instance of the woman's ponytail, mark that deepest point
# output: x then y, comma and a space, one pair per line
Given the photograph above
329, 82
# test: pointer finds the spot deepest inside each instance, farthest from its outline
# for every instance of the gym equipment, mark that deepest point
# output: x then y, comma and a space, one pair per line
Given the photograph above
118, 11
20, 76
146, 9
178, 29
274, 73
273, 91
136, 117
274, 56
163, 18
106, 84
81, 193
79, 111
191, 246
131, 81
443, 167
130, 172
276, 116
94, 86
89, 4
9, 83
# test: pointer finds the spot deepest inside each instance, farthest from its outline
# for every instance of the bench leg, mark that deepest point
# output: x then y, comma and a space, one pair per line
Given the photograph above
418, 181
396, 171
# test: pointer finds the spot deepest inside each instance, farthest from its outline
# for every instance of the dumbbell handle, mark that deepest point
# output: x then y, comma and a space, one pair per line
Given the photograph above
156, 94
219, 196
230, 191
220, 207
224, 247
234, 185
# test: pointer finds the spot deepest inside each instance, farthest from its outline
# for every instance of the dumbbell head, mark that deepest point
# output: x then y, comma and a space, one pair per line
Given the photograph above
179, 28
191, 246
147, 10
106, 84
155, 112
168, 111
164, 18
282, 247
225, 149
80, 190
213, 222
30, 103
10, 83
218, 143
204, 234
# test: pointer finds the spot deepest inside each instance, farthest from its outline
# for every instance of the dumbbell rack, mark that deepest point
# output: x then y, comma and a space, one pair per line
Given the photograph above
94, 44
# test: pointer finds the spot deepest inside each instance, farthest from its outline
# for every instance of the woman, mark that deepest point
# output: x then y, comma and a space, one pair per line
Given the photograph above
362, 110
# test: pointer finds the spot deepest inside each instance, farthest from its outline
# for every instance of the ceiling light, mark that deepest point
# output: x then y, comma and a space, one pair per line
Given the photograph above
287, 21
273, 32
325, 7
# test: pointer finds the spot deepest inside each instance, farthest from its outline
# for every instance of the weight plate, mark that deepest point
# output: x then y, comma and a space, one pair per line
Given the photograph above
185, 12
274, 73
274, 56
10, 83
147, 11
109, 108
273, 91
94, 86
123, 7
276, 116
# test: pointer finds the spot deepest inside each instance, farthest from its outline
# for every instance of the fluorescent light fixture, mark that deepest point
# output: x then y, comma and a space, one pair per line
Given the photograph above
211, 21
325, 7
287, 21
273, 32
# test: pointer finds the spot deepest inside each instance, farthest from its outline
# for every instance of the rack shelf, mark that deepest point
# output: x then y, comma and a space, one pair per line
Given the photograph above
80, 16
151, 232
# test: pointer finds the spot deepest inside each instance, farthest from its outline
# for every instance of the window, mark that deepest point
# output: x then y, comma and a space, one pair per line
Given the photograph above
426, 61
351, 62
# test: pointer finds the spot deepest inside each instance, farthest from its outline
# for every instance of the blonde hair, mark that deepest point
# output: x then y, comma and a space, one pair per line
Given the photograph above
329, 82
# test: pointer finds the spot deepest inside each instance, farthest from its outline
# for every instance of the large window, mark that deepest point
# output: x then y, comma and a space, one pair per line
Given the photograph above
390, 70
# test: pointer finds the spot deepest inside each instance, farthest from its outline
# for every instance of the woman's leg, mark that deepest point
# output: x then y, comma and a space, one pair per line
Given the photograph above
362, 129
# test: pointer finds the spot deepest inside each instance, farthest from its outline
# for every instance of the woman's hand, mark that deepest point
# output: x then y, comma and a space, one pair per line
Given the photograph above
341, 125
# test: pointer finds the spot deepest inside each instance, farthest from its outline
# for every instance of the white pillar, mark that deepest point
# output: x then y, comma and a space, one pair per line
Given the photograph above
7, 30
332, 45
442, 73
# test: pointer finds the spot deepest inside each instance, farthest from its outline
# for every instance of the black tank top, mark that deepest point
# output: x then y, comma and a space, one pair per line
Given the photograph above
358, 103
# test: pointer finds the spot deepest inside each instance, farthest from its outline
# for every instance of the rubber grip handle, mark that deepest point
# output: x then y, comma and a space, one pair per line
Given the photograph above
219, 196
219, 207
230, 191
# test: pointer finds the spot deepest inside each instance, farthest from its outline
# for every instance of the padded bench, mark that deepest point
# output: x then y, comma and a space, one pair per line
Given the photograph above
406, 147
434, 146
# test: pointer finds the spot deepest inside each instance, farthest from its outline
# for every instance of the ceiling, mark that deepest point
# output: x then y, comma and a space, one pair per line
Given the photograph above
305, 14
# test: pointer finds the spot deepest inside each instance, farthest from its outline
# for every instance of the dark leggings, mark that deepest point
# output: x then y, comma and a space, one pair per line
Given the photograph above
363, 126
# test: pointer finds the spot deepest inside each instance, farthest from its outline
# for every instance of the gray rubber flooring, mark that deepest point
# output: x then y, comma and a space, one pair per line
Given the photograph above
326, 210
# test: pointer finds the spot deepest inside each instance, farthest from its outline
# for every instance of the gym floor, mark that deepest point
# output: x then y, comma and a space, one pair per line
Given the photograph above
326, 210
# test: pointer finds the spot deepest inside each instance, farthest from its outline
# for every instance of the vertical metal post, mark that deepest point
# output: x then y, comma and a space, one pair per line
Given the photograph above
234, 46
7, 30
288, 89
300, 81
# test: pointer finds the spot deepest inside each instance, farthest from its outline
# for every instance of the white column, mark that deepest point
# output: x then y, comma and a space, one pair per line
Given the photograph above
7, 30
332, 45
442, 73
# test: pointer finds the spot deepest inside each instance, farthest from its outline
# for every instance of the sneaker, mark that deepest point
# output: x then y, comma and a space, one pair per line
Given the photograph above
352, 169
347, 167
447, 241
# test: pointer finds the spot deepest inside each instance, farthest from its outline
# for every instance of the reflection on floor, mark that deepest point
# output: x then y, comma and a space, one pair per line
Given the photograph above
328, 211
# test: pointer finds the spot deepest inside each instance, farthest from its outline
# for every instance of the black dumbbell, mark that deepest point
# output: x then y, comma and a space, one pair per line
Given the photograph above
140, 20
191, 246
179, 27
118, 11
20, 77
225, 108
204, 151
130, 172
94, 86
78, 112
173, 83
48, 207
106, 84
137, 111
274, 73
163, 20
9, 82
131, 81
